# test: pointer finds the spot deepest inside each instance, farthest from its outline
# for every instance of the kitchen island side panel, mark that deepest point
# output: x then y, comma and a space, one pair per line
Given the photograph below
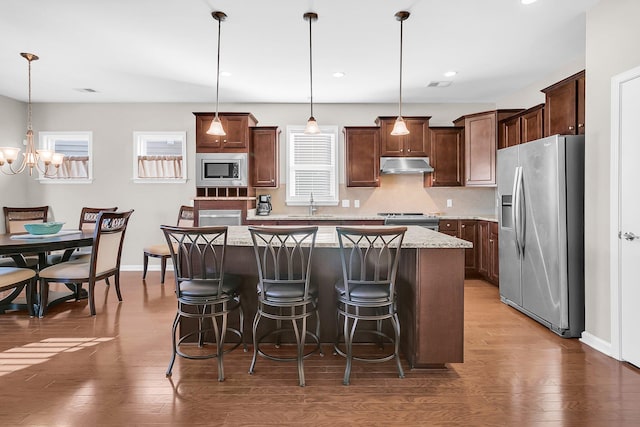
431, 299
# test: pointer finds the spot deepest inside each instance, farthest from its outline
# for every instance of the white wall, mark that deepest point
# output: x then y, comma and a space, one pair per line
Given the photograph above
13, 126
155, 204
612, 47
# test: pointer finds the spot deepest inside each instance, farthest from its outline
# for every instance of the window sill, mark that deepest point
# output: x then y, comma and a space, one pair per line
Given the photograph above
159, 181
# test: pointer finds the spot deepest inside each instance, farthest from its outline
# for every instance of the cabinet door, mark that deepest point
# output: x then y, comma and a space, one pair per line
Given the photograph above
447, 147
361, 156
390, 145
416, 144
483, 249
509, 132
494, 258
468, 232
532, 124
480, 150
264, 157
449, 226
237, 129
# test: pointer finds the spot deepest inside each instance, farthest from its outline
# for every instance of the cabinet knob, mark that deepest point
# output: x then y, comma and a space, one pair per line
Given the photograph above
570, 127
580, 125
225, 140
401, 150
409, 149
463, 226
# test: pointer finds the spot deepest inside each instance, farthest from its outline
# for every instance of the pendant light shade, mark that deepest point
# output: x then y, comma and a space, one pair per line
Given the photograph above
216, 126
312, 125
400, 127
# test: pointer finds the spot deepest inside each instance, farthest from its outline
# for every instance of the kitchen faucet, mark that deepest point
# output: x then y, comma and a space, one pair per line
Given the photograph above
312, 206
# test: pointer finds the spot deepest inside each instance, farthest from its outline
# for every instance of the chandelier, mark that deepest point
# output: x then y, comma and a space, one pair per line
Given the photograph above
42, 160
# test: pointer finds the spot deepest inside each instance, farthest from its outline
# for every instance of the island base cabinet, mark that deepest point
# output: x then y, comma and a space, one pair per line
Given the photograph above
431, 306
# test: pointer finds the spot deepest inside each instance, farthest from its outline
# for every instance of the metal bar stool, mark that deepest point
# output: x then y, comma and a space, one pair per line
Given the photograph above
367, 291
283, 257
205, 292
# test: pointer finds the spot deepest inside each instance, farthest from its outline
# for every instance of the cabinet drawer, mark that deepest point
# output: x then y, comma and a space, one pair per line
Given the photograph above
448, 225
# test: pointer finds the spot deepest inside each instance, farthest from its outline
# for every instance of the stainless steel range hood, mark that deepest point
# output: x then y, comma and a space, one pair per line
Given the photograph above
404, 165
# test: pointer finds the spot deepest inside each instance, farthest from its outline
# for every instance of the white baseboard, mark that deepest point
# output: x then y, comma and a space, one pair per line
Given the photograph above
152, 267
597, 343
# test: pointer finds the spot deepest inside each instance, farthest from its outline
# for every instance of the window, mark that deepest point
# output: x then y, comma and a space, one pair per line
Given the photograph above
77, 165
312, 166
159, 157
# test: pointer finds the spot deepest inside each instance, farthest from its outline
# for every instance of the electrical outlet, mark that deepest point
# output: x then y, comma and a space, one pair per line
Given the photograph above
449, 203
356, 203
345, 203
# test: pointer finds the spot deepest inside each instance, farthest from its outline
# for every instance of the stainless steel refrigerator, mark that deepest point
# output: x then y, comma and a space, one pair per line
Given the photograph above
541, 234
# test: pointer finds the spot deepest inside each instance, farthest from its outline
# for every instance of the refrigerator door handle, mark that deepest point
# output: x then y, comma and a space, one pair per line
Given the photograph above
522, 212
515, 216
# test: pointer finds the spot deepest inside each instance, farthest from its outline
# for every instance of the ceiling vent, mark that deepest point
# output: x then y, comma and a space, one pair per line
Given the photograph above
439, 84
87, 90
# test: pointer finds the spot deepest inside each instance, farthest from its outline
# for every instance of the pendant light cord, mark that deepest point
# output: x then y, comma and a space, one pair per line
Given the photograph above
400, 102
311, 66
218, 68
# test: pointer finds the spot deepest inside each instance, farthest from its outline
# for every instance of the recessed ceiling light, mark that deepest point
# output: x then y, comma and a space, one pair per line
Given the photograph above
86, 90
450, 73
338, 74
224, 74
443, 83
528, 1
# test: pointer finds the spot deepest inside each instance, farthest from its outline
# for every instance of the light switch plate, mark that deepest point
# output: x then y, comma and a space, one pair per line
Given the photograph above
345, 203
356, 203
449, 203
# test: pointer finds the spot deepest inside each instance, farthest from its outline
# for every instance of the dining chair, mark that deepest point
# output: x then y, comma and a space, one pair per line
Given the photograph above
87, 223
285, 292
12, 281
367, 292
104, 262
14, 221
185, 219
204, 292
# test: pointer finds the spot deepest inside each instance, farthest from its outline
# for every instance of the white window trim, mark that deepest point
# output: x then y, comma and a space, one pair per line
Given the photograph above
45, 138
137, 135
289, 201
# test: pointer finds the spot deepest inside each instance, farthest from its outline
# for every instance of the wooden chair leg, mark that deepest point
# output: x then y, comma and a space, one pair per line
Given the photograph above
44, 297
163, 268
92, 303
145, 264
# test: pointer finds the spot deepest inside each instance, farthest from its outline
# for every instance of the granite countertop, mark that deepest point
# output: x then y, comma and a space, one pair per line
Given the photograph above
251, 216
415, 237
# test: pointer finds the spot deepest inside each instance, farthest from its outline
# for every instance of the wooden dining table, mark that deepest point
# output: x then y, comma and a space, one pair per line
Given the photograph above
17, 246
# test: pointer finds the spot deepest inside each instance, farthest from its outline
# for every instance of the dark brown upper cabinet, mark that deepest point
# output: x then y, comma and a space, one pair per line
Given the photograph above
522, 127
263, 156
236, 126
447, 157
362, 159
416, 144
564, 106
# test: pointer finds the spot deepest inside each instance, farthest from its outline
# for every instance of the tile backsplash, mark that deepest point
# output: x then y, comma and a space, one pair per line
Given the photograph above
400, 193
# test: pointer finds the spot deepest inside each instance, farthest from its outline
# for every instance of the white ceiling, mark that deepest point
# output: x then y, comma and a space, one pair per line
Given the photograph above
165, 50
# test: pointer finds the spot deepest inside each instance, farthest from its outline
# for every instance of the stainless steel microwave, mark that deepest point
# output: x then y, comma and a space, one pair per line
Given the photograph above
221, 169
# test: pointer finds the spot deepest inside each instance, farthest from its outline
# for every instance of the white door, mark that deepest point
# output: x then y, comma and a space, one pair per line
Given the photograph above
629, 220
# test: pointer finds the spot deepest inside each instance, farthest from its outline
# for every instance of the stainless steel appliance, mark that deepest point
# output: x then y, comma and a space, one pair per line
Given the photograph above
221, 169
405, 165
264, 204
207, 217
419, 219
541, 233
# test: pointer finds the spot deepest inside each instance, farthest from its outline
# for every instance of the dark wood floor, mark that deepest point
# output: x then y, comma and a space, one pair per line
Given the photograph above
75, 370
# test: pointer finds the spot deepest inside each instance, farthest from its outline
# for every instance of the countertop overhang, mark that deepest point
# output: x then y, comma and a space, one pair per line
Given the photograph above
415, 237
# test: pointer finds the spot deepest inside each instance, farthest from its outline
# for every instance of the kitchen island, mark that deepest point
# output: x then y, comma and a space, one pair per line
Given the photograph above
430, 290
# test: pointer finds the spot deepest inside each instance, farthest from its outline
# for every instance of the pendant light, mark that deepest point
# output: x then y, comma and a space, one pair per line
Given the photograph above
312, 125
32, 158
400, 127
216, 126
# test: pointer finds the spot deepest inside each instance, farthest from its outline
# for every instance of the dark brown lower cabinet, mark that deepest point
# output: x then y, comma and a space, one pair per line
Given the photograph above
481, 261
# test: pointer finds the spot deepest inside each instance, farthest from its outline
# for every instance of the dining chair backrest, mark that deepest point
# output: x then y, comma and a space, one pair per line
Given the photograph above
88, 217
185, 216
108, 238
16, 218
198, 254
369, 256
283, 257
